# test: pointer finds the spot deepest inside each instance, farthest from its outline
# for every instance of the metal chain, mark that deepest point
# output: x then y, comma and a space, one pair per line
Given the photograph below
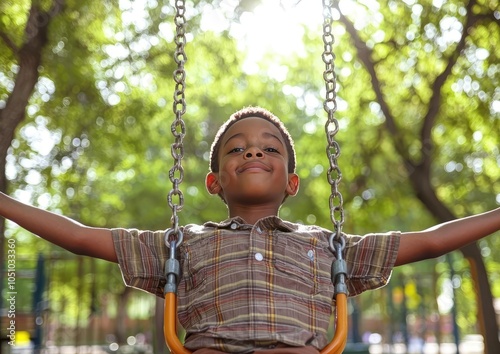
334, 174
178, 127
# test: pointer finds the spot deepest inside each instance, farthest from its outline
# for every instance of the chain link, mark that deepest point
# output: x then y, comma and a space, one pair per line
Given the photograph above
178, 127
334, 175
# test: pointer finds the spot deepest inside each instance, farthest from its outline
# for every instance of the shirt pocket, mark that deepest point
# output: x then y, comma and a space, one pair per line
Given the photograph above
305, 263
194, 258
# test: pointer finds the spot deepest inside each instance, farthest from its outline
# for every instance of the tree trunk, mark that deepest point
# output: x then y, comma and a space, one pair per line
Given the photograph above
29, 58
121, 316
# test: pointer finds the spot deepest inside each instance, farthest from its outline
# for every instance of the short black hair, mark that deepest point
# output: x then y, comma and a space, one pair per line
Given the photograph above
249, 112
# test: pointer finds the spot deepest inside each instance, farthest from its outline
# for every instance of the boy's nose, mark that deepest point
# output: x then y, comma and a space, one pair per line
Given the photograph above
253, 151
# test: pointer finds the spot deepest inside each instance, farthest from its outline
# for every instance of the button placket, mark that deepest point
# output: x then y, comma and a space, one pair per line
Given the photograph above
256, 269
257, 243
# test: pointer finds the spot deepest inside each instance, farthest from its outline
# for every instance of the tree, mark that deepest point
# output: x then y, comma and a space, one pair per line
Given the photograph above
423, 97
105, 71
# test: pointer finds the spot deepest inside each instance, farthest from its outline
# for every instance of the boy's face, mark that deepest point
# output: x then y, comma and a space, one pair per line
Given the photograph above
253, 162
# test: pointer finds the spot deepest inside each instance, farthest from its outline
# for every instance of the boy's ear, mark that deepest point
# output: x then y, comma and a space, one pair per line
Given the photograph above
212, 183
293, 184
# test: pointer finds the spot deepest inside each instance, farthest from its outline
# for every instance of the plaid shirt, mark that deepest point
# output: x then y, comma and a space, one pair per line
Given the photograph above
247, 287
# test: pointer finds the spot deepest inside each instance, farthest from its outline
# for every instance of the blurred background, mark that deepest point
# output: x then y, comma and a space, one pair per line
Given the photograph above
85, 113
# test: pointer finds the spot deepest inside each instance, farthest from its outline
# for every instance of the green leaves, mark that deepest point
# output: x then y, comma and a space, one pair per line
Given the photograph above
417, 87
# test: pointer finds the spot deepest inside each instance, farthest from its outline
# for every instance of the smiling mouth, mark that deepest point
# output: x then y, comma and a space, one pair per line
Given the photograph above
253, 167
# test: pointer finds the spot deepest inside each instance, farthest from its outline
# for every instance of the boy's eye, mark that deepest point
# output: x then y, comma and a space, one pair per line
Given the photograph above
234, 150
271, 149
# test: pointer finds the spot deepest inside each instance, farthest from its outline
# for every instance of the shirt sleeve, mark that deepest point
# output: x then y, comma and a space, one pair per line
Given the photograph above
370, 260
141, 257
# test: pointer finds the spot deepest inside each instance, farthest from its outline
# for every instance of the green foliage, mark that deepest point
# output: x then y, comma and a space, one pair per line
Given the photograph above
104, 105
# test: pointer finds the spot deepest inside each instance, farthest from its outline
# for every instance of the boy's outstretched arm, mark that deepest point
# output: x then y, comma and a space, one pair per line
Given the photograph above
446, 237
60, 230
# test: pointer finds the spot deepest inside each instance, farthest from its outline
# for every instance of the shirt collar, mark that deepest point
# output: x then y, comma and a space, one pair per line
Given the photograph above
269, 222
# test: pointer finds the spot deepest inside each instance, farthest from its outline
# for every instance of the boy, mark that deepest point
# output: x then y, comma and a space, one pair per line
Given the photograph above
252, 283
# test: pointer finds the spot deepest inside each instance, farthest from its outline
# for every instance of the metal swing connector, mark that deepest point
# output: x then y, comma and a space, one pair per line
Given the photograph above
339, 268
172, 275
172, 267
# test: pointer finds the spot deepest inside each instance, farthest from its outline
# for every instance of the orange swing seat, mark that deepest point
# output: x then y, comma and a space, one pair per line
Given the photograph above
336, 346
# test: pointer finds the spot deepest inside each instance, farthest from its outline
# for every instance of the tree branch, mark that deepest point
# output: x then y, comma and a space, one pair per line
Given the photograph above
365, 54
437, 95
6, 39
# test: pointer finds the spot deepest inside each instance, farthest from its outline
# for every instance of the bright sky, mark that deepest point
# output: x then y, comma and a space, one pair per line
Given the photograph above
274, 26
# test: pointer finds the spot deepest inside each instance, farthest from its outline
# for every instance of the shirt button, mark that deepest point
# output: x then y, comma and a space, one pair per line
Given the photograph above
259, 256
310, 254
234, 226
259, 230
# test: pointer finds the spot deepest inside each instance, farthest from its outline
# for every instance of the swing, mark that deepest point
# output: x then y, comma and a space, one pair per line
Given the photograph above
174, 236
